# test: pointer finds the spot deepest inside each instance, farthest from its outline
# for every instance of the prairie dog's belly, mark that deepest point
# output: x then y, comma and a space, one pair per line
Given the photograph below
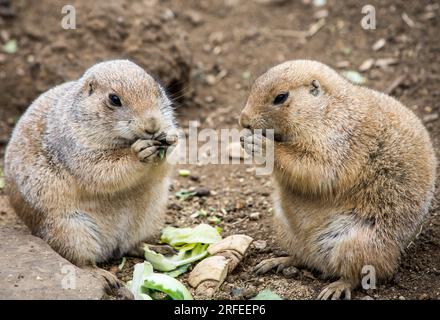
311, 232
122, 221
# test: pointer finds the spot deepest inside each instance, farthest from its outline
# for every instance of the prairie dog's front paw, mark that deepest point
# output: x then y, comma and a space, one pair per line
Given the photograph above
256, 145
166, 138
146, 150
171, 139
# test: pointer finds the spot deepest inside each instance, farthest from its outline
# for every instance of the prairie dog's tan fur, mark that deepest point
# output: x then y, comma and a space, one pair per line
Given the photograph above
354, 172
73, 165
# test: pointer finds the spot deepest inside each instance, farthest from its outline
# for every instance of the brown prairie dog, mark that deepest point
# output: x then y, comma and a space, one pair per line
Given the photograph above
83, 168
354, 172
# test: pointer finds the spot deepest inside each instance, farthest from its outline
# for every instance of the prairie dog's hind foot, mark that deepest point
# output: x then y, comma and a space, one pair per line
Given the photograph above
335, 290
280, 263
113, 286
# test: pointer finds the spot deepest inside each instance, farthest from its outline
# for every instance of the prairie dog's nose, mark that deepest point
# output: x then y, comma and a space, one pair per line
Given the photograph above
152, 124
244, 120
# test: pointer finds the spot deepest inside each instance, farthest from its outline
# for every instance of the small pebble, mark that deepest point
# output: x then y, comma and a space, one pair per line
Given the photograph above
194, 17
209, 99
379, 44
254, 216
244, 276
290, 272
430, 117
237, 292
320, 14
260, 244
250, 292
211, 79
366, 65
174, 206
343, 64
202, 192
385, 62
424, 296
216, 37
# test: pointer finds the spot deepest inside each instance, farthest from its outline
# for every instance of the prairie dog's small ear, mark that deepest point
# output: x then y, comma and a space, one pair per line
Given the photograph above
92, 86
89, 85
315, 88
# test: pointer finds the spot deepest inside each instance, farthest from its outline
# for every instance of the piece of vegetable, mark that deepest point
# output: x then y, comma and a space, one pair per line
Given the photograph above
199, 213
166, 284
162, 153
141, 270
186, 255
10, 46
159, 261
237, 242
214, 268
148, 285
177, 237
226, 254
267, 294
180, 270
185, 194
214, 219
191, 244
122, 264
184, 173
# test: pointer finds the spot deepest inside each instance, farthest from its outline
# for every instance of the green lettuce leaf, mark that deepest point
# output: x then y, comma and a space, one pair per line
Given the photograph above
187, 254
167, 284
202, 233
141, 270
180, 270
146, 284
267, 294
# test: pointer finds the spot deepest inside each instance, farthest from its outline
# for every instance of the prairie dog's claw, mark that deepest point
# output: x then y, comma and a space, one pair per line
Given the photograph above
113, 285
335, 289
280, 263
146, 150
171, 139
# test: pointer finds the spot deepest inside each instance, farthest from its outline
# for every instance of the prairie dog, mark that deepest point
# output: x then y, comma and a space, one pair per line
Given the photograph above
354, 172
83, 169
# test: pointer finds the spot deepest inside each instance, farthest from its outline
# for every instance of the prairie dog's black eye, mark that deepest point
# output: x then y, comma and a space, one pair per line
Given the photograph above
281, 98
114, 100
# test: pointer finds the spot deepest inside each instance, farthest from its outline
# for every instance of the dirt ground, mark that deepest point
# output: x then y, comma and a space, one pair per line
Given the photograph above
234, 41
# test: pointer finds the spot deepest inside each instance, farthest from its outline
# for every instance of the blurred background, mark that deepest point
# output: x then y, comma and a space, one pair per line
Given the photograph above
207, 53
